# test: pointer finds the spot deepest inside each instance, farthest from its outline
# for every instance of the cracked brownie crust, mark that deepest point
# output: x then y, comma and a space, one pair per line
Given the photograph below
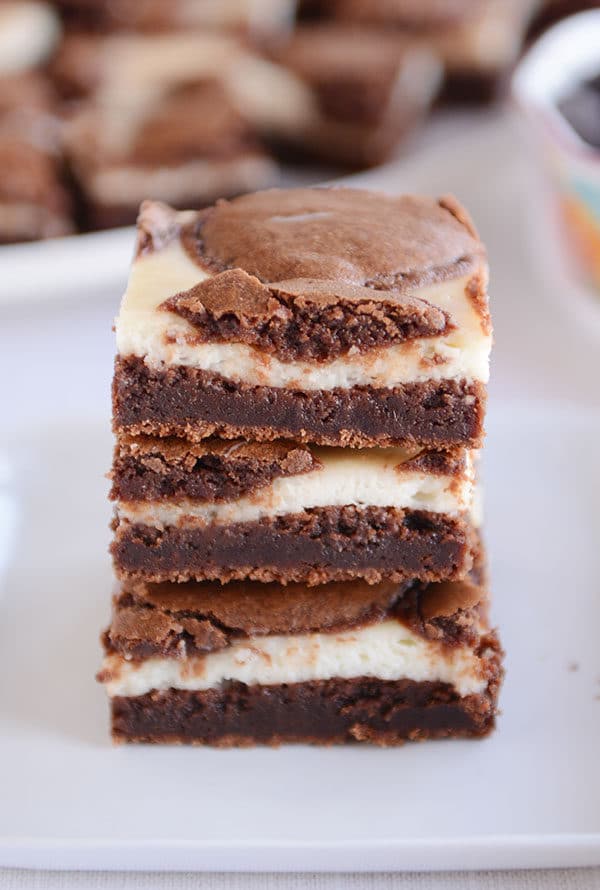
147, 468
305, 319
336, 234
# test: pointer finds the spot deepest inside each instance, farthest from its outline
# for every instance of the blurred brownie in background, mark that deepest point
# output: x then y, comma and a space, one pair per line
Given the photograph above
76, 68
256, 18
191, 100
478, 40
183, 117
29, 32
368, 89
158, 117
33, 203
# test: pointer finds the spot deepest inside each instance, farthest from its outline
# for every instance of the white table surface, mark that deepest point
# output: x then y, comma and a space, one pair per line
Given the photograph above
83, 329
574, 879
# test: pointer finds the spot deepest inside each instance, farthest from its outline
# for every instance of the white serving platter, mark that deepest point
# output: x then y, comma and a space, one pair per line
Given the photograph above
527, 797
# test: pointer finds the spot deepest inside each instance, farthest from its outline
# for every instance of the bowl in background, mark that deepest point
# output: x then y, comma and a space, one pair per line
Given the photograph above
562, 59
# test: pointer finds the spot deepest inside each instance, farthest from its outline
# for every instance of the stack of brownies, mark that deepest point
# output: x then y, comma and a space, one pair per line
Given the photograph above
299, 397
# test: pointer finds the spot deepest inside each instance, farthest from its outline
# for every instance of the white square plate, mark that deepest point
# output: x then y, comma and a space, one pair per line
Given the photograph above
528, 796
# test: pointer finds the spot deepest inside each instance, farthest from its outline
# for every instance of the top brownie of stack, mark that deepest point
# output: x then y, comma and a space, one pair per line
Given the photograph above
331, 316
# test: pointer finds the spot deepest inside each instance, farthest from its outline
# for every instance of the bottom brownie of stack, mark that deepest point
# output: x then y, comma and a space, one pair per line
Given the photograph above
248, 663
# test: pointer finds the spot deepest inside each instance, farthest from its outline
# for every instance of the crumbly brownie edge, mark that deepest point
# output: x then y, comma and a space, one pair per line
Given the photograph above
179, 620
326, 712
195, 404
149, 469
315, 547
306, 320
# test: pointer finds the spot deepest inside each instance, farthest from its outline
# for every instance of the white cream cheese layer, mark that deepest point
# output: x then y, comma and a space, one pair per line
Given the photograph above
358, 477
387, 651
163, 338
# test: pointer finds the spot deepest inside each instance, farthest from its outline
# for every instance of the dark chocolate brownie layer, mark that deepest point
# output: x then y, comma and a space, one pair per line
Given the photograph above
321, 712
315, 547
147, 468
195, 404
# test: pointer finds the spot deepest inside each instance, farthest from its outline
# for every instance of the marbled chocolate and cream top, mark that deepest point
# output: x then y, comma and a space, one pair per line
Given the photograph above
310, 289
